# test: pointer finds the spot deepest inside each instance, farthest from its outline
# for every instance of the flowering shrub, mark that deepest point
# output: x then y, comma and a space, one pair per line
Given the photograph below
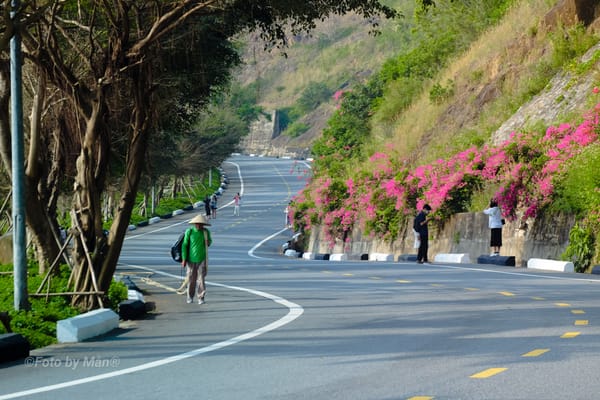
380, 200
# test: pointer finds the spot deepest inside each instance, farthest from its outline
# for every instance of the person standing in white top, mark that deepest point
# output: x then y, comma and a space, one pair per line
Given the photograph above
495, 224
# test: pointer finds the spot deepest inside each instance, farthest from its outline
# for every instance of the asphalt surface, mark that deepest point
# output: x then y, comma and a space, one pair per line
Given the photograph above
280, 328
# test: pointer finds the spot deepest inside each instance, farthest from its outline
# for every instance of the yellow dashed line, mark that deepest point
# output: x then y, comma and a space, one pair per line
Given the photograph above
538, 298
536, 353
375, 278
436, 285
577, 311
403, 281
471, 289
327, 272
348, 274
488, 373
562, 304
421, 398
581, 322
509, 294
570, 335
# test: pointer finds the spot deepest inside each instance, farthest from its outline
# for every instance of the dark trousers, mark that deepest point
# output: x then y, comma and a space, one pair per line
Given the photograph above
422, 254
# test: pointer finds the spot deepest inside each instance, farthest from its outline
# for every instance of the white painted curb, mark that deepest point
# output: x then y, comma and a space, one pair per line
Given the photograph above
550, 265
177, 212
338, 257
308, 256
85, 326
153, 220
381, 257
458, 258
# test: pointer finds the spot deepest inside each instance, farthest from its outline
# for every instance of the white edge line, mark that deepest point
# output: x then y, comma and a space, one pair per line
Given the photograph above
295, 311
256, 246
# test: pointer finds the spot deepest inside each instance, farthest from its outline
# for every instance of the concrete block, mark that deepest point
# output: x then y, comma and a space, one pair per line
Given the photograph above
338, 257
13, 346
291, 253
134, 295
508, 261
407, 258
596, 270
85, 326
178, 212
199, 204
132, 309
381, 257
308, 256
550, 265
364, 257
321, 256
457, 258
154, 220
131, 227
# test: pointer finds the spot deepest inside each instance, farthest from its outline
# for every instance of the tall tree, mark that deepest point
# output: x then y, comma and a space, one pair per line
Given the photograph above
112, 60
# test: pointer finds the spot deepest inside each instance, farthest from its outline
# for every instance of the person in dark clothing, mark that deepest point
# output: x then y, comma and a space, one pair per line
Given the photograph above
207, 206
420, 225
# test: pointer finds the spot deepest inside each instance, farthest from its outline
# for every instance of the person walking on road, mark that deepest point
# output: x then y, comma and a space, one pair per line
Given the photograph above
236, 204
194, 256
495, 224
420, 226
213, 206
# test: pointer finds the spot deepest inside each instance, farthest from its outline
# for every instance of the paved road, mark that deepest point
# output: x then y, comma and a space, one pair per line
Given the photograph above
279, 328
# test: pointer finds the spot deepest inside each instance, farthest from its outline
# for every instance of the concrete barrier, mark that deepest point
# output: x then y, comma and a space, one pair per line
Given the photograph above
154, 220
596, 270
321, 256
508, 261
457, 258
308, 255
85, 326
381, 257
338, 257
133, 294
550, 265
178, 212
291, 253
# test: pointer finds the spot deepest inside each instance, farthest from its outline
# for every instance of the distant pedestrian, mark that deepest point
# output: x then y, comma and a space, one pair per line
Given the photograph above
495, 223
236, 204
213, 206
420, 226
207, 206
288, 217
194, 256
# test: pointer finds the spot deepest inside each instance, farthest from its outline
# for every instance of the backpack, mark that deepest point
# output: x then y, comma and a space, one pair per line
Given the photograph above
176, 251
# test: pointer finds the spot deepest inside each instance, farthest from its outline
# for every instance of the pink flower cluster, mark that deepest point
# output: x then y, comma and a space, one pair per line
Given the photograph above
523, 168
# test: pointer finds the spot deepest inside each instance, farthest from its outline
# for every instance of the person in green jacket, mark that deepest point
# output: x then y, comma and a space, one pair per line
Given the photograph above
194, 255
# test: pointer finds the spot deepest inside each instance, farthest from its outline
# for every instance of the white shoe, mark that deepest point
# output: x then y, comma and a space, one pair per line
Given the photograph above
189, 301
200, 301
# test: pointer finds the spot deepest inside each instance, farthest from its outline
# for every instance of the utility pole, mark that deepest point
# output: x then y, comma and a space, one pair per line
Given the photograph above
18, 169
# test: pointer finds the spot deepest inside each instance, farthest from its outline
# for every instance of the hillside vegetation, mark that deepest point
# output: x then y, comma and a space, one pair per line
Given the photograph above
424, 127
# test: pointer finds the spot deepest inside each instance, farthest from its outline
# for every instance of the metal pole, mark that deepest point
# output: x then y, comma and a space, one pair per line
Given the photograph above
18, 174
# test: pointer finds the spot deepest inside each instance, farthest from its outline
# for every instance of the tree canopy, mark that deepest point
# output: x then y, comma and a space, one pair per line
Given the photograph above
107, 82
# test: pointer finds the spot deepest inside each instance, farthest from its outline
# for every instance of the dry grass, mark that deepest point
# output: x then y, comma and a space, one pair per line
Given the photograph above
500, 60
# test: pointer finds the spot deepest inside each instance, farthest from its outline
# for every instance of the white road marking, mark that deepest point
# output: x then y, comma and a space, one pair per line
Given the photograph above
295, 311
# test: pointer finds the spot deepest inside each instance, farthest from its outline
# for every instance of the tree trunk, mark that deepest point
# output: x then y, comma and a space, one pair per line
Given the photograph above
88, 206
136, 154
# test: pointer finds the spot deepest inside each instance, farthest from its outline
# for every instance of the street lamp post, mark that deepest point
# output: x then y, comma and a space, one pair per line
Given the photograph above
18, 175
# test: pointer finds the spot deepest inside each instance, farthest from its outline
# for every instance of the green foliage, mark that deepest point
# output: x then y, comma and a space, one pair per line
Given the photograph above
577, 189
117, 292
312, 97
347, 130
296, 129
37, 325
580, 250
439, 94
570, 43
